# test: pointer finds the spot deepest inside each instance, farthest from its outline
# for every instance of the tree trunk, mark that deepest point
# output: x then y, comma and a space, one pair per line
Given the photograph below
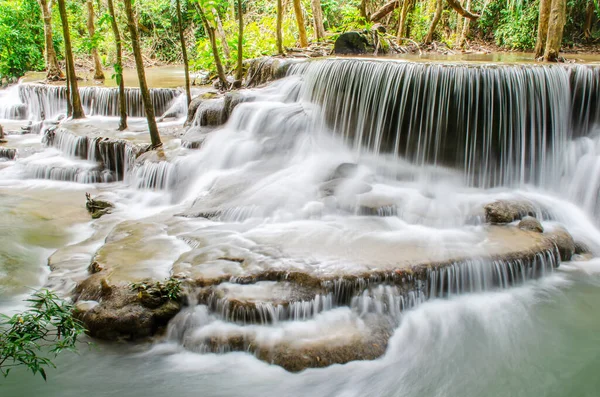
240, 55
210, 30
436, 18
118, 67
186, 66
73, 90
384, 10
53, 71
459, 27
465, 29
300, 21
542, 33
318, 19
402, 22
589, 20
98, 74
139, 65
556, 25
455, 4
279, 28
222, 35
362, 8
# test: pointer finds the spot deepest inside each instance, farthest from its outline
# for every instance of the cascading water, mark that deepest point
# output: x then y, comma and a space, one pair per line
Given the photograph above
500, 124
338, 216
39, 102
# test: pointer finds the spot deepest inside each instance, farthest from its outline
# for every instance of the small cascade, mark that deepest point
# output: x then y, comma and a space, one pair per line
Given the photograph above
499, 124
154, 175
8, 153
48, 101
11, 107
114, 155
82, 173
268, 312
580, 177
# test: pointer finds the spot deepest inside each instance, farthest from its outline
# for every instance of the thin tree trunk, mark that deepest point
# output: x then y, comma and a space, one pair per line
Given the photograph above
210, 30
222, 35
318, 19
240, 54
186, 66
73, 89
53, 71
98, 74
465, 29
119, 67
68, 96
362, 8
139, 65
589, 20
436, 18
300, 22
279, 28
402, 21
459, 27
556, 25
542, 32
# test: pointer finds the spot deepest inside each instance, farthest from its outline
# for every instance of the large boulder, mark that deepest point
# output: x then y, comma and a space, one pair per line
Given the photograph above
505, 211
196, 103
121, 312
352, 43
564, 242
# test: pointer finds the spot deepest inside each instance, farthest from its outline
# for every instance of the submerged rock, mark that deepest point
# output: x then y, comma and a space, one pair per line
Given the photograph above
504, 211
97, 208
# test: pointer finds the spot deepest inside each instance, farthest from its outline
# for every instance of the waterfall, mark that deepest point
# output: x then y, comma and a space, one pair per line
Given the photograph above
48, 101
115, 156
500, 124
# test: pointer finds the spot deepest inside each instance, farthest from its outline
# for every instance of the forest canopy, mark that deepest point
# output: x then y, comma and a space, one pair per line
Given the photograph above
508, 24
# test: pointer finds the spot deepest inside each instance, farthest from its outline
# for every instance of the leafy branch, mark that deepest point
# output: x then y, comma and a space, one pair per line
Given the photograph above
47, 328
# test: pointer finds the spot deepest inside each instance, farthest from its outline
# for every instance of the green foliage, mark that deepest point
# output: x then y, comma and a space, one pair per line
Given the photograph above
169, 290
513, 25
21, 37
47, 328
419, 19
342, 15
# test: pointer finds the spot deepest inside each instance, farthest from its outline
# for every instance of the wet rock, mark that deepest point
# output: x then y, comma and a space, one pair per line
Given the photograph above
531, 224
344, 186
345, 170
342, 344
564, 242
266, 69
122, 315
97, 208
504, 211
196, 102
232, 99
264, 301
211, 113
352, 43
122, 311
582, 248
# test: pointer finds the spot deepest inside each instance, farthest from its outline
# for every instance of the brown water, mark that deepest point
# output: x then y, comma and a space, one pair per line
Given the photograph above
171, 76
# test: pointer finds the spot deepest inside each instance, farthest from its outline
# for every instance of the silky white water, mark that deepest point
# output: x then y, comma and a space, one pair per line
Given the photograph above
266, 191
